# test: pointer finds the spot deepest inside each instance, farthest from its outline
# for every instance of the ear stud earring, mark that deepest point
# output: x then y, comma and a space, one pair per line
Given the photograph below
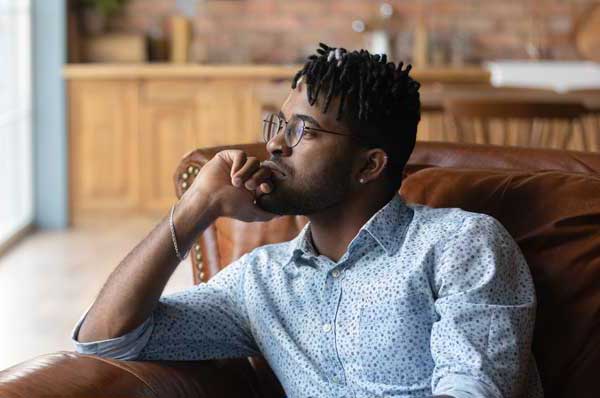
362, 180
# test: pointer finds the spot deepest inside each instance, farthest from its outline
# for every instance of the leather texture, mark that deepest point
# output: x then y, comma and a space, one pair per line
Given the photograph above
69, 375
549, 200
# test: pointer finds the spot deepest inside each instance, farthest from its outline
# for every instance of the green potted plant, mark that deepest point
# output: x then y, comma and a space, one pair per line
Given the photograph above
96, 12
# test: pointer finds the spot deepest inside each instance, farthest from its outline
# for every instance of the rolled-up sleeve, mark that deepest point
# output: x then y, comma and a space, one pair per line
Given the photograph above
207, 321
124, 347
485, 302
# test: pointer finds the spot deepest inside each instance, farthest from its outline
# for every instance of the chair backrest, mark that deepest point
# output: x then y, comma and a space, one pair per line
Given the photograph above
518, 121
590, 98
547, 200
490, 107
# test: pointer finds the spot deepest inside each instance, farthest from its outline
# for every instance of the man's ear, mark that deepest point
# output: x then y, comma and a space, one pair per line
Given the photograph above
374, 163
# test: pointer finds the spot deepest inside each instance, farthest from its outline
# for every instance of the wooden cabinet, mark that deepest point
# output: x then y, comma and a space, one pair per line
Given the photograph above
127, 136
179, 115
167, 132
103, 146
129, 125
228, 113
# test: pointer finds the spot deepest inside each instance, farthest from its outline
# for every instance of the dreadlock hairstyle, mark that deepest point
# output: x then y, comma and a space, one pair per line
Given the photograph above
380, 99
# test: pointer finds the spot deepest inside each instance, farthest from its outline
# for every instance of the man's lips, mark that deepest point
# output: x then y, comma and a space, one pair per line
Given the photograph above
275, 168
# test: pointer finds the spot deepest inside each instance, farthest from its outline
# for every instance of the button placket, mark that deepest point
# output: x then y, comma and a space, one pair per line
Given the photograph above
329, 326
338, 372
327, 319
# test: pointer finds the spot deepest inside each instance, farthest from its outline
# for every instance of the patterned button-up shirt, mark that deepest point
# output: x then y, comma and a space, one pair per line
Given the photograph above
424, 302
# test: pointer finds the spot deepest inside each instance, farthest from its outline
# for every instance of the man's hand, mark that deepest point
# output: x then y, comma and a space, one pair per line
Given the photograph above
233, 180
134, 288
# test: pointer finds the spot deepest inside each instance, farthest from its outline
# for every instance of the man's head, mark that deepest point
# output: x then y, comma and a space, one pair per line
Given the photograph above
360, 115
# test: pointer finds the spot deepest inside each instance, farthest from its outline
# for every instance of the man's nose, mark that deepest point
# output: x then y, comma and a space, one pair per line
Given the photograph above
278, 146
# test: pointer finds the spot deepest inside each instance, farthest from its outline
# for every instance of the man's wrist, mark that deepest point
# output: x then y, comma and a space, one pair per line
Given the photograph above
193, 214
200, 205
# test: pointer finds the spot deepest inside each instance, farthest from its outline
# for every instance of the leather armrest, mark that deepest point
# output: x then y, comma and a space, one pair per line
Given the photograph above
70, 374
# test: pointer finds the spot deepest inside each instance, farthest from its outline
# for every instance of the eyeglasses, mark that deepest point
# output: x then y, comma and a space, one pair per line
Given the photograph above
293, 130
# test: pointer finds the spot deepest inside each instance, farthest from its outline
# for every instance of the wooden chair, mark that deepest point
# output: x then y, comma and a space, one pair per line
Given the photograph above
590, 98
518, 121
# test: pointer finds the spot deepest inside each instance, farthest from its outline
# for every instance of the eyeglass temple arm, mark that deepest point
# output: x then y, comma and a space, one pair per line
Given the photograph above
334, 132
311, 128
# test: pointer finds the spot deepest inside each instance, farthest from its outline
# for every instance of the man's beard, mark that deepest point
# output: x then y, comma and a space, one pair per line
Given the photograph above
308, 195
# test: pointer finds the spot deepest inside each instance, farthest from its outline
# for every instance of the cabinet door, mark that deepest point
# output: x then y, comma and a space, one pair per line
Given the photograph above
227, 113
103, 129
271, 94
168, 130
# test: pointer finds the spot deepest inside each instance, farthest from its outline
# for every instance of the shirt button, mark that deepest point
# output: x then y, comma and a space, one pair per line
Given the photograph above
335, 273
327, 327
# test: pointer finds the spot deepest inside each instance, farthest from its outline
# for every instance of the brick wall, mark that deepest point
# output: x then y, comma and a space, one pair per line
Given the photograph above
285, 31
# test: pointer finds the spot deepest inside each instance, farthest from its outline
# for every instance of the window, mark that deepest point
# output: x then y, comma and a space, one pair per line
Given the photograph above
16, 150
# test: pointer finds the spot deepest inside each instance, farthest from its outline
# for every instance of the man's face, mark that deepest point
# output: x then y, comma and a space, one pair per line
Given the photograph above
318, 169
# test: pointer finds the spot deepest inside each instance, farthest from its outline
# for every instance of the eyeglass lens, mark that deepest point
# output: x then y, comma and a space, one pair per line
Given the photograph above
272, 124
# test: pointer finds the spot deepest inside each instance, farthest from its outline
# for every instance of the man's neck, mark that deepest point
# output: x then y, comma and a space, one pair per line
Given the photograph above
333, 230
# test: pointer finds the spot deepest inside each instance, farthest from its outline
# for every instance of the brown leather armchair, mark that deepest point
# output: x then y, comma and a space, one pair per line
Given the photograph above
549, 200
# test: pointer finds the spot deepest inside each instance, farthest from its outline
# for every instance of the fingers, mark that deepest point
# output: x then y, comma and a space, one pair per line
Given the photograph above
265, 187
239, 159
252, 176
260, 177
244, 172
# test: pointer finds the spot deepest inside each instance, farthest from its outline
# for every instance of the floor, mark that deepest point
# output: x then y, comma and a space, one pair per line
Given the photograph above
51, 277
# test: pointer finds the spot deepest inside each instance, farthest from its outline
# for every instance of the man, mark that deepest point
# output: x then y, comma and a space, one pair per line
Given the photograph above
375, 297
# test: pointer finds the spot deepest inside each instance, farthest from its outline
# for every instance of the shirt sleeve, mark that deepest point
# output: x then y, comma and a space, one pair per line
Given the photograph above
124, 347
207, 321
485, 302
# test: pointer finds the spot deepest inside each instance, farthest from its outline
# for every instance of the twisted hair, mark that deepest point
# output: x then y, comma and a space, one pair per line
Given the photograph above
378, 97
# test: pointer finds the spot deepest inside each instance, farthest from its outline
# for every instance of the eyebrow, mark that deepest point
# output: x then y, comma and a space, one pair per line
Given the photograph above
306, 118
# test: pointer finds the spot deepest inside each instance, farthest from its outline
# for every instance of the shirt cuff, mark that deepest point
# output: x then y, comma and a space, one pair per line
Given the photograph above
125, 347
463, 386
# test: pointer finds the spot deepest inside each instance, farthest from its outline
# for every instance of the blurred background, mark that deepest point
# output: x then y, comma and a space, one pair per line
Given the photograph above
286, 32
100, 99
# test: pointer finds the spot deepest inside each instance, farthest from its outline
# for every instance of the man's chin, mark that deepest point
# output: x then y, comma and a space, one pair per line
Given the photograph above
278, 202
271, 203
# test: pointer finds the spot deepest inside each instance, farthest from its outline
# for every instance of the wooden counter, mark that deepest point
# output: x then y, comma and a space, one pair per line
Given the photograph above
467, 75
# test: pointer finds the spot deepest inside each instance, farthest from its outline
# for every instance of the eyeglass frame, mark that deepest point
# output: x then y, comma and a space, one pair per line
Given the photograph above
304, 127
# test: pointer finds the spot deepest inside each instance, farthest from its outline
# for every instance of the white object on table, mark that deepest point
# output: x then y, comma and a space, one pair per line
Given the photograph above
558, 76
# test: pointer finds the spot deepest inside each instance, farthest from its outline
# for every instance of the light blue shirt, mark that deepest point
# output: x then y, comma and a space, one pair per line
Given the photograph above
424, 301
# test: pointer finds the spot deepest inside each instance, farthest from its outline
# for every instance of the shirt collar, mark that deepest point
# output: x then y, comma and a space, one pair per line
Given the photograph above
387, 227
